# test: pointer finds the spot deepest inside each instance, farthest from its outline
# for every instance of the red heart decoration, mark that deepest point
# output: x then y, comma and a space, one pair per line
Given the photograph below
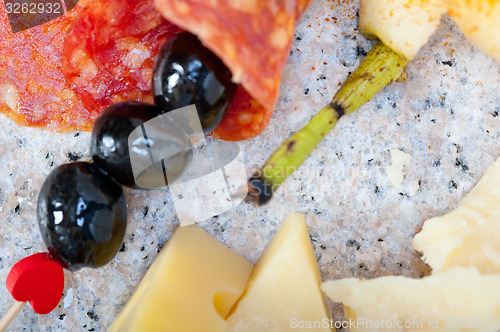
38, 279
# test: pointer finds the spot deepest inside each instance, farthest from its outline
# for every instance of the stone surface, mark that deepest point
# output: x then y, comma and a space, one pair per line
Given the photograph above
446, 116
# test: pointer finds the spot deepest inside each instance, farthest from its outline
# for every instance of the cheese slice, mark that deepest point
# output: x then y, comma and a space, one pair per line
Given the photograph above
469, 235
191, 286
403, 25
479, 21
460, 299
283, 292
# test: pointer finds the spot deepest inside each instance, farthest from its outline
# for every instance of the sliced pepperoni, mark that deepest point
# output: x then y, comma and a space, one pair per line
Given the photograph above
245, 119
109, 51
33, 90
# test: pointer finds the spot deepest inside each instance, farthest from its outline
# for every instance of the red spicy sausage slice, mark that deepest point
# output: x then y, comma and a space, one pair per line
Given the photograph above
245, 119
33, 90
109, 55
109, 51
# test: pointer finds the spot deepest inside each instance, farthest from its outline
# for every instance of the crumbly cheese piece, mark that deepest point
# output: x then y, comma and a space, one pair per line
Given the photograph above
460, 299
403, 25
469, 235
479, 21
395, 170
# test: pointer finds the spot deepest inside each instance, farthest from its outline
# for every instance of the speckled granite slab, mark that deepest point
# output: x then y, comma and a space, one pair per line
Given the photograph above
446, 116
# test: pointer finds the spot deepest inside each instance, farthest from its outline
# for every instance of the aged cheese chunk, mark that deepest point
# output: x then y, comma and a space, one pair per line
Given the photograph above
469, 235
479, 21
403, 25
191, 286
395, 170
460, 299
283, 292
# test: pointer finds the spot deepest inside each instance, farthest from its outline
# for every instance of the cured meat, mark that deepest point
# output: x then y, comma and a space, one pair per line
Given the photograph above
109, 51
245, 119
33, 90
253, 39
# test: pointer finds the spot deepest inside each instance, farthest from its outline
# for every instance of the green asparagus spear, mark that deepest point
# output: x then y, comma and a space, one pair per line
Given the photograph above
381, 67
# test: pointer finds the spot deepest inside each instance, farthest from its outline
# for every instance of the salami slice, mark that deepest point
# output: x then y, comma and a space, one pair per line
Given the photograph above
33, 90
245, 119
253, 39
109, 51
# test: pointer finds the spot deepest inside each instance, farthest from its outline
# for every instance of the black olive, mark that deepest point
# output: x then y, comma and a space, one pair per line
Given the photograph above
187, 73
111, 151
82, 215
109, 143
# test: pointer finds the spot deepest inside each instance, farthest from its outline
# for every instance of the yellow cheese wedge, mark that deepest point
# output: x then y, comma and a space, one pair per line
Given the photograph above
191, 286
283, 292
460, 299
403, 25
480, 22
469, 235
